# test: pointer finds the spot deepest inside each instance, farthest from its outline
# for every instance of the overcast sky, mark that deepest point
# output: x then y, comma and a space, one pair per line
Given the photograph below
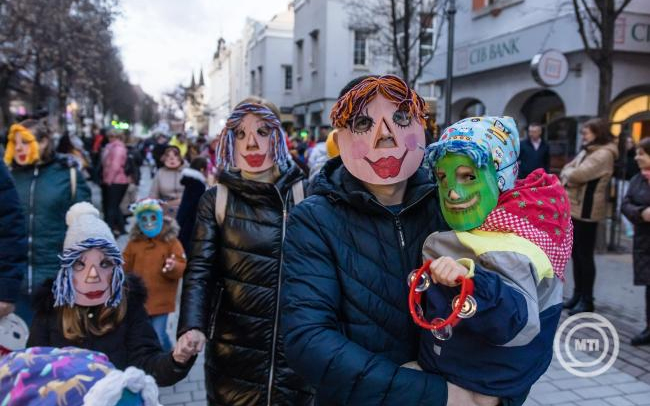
162, 41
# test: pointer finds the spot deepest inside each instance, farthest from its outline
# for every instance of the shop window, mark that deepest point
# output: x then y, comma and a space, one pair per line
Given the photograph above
639, 104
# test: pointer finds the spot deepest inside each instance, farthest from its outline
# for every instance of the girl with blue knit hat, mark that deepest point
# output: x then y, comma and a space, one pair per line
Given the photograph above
490, 291
92, 305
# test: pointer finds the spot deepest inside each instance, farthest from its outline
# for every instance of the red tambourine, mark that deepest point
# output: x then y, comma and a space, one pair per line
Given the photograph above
463, 306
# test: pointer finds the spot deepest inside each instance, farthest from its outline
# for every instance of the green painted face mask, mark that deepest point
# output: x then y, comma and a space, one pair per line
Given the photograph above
467, 193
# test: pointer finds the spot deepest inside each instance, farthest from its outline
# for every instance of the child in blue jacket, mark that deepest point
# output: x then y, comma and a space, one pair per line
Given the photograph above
513, 239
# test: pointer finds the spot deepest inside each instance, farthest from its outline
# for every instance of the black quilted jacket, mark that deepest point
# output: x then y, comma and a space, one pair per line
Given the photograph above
230, 292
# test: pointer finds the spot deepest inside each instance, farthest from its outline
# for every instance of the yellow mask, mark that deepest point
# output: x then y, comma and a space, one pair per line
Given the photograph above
24, 154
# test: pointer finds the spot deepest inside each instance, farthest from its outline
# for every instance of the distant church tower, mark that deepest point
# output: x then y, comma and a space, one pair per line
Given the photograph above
196, 120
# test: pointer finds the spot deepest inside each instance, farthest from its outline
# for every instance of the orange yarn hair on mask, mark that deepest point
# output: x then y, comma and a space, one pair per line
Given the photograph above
392, 87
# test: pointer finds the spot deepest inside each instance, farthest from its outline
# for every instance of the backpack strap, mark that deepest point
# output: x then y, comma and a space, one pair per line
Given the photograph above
73, 184
298, 192
220, 204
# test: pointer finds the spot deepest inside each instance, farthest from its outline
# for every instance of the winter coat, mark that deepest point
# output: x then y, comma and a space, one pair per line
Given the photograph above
507, 345
231, 293
635, 201
194, 184
586, 179
133, 343
114, 163
46, 194
317, 159
146, 257
531, 158
13, 240
345, 316
166, 185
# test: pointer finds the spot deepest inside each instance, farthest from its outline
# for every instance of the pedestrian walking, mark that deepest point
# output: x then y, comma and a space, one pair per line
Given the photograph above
318, 154
232, 284
155, 255
180, 141
13, 243
115, 180
636, 207
47, 186
194, 181
535, 152
159, 149
166, 184
92, 305
349, 249
586, 179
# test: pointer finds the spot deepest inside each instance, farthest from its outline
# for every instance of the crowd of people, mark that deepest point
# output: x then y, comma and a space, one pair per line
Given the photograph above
294, 255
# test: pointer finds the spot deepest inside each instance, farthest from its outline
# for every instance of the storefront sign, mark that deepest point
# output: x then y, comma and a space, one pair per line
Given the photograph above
632, 34
549, 68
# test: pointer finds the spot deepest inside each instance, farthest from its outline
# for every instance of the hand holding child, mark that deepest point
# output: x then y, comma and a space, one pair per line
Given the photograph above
446, 270
188, 345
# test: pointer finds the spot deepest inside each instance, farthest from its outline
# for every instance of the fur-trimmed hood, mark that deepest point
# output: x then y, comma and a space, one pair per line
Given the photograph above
168, 233
43, 300
190, 173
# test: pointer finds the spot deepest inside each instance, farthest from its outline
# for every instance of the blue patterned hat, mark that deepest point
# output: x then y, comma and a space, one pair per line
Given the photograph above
485, 140
71, 376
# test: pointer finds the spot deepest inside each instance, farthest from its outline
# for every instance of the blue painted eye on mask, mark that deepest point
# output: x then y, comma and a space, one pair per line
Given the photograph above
150, 222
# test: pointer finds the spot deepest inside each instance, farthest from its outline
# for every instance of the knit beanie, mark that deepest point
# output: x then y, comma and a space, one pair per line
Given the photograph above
86, 231
485, 140
83, 223
73, 377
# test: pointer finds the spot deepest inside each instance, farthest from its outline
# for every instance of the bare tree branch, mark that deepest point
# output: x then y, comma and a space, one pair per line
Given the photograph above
590, 14
581, 29
620, 9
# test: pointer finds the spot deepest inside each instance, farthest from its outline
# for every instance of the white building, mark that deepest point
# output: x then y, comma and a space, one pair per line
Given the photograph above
495, 42
327, 53
269, 61
259, 64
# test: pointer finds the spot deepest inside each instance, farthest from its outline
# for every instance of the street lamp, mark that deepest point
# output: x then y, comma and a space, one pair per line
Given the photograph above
451, 11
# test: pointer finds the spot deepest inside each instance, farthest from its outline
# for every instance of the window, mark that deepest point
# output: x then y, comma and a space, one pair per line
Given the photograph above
252, 82
426, 39
360, 46
299, 58
288, 77
313, 61
260, 88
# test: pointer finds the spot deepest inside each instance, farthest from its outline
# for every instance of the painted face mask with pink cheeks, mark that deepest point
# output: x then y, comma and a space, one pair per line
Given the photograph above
252, 144
92, 277
381, 144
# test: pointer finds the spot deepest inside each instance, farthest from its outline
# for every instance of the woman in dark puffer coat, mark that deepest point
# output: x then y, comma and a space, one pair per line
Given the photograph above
636, 207
231, 287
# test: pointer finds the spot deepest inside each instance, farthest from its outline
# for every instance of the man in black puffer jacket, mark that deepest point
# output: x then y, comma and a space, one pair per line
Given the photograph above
348, 253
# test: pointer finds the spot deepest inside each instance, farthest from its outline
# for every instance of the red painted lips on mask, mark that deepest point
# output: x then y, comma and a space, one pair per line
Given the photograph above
254, 160
95, 294
388, 167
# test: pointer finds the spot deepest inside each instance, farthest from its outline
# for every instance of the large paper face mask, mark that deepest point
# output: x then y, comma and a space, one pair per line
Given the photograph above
150, 222
252, 145
467, 193
92, 277
380, 145
22, 148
